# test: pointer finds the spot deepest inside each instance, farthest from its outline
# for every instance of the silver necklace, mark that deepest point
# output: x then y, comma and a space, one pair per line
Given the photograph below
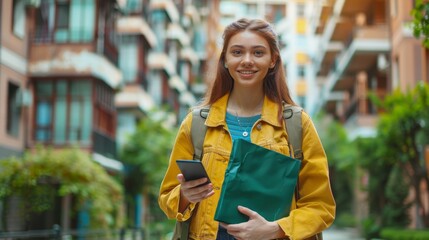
245, 132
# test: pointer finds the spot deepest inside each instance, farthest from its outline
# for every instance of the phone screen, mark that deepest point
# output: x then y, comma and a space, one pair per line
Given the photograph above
192, 169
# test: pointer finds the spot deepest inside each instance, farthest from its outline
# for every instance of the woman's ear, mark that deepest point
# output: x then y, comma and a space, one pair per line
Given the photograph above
273, 63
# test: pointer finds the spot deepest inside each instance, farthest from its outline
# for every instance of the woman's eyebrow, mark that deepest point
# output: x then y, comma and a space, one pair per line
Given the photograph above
242, 46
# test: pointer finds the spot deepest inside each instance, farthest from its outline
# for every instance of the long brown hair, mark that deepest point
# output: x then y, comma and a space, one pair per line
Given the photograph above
275, 87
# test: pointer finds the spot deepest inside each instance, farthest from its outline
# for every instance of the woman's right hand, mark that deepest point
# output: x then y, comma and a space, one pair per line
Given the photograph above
193, 191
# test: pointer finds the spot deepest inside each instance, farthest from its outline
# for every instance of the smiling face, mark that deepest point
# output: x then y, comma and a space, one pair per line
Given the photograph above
248, 59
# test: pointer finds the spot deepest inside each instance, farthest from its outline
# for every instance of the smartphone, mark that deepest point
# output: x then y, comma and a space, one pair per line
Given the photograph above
192, 169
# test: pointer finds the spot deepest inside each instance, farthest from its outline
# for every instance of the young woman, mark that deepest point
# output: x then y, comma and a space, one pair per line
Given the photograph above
245, 101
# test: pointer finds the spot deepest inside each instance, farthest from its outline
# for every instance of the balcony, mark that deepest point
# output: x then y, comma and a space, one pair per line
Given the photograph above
55, 53
103, 145
360, 54
134, 25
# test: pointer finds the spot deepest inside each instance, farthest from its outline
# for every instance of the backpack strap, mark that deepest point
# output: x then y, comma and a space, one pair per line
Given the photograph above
293, 121
198, 133
198, 130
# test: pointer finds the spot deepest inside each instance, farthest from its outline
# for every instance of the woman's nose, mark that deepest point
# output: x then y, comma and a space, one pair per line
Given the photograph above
247, 60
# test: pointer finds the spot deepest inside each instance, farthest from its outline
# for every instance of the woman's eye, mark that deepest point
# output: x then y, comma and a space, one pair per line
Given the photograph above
259, 53
236, 52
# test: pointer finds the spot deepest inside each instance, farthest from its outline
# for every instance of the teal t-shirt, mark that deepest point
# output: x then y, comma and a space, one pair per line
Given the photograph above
240, 127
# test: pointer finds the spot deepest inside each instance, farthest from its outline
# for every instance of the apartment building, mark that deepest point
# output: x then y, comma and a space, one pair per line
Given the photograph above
353, 51
409, 59
84, 72
365, 46
409, 65
354, 48
157, 47
59, 72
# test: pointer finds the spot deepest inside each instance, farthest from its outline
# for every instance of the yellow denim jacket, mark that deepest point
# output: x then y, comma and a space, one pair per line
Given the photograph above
314, 211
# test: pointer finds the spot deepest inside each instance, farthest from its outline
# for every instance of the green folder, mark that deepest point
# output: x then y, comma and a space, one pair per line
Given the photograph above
257, 178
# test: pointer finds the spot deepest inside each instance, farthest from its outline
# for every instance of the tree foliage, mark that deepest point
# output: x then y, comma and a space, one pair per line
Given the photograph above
68, 172
420, 14
342, 158
146, 155
402, 132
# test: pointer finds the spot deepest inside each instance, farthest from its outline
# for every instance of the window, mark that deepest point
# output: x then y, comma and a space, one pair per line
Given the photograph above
82, 20
19, 18
63, 111
43, 130
62, 20
13, 110
45, 21
74, 20
104, 115
128, 58
301, 71
133, 6
63, 10
300, 10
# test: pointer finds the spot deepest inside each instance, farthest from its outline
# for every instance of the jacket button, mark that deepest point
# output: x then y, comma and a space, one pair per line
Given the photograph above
216, 188
259, 126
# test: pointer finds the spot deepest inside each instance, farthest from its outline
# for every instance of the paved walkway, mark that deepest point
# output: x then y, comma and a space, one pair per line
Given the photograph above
341, 234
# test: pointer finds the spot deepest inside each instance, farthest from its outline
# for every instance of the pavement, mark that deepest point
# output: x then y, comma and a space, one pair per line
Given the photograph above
342, 234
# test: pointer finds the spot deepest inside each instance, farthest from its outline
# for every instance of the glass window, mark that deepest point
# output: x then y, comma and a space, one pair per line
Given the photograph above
128, 58
45, 21
82, 19
43, 128
13, 110
133, 6
104, 111
63, 10
79, 105
43, 120
62, 21
61, 113
155, 88
300, 9
67, 112
19, 18
301, 71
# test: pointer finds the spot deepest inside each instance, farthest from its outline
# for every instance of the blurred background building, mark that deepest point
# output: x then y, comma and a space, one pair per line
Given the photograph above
84, 72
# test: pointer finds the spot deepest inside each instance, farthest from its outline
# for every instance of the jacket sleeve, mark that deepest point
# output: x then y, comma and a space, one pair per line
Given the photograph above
315, 209
169, 193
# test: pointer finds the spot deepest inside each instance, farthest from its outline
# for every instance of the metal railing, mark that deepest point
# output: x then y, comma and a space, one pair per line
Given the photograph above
56, 233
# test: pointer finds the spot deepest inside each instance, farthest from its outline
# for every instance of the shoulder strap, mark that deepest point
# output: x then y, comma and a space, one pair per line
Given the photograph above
198, 133
198, 130
293, 122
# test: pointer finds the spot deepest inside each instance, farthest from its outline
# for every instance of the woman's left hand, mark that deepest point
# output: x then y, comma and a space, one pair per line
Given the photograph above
256, 228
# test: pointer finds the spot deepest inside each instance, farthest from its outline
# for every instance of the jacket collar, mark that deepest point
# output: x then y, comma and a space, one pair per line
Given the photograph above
217, 112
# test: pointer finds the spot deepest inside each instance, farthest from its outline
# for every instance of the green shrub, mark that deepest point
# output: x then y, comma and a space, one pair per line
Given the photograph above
404, 234
345, 220
48, 172
371, 228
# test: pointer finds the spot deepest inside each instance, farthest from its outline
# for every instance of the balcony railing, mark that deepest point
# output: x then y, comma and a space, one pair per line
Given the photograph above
56, 233
107, 47
41, 36
104, 145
